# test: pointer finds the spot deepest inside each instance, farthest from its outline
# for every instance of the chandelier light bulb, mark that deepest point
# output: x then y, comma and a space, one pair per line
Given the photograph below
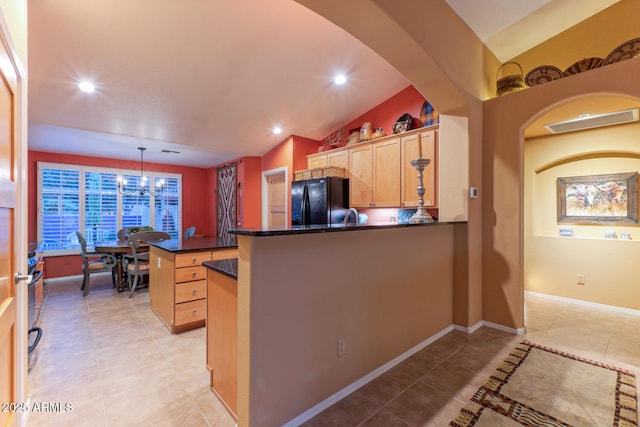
142, 189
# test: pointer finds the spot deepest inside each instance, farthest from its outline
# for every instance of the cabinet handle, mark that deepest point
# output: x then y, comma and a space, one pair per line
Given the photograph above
195, 259
195, 291
194, 312
194, 274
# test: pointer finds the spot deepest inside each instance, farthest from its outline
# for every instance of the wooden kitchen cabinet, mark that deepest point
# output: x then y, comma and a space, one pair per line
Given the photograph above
178, 285
409, 174
374, 174
222, 338
340, 159
379, 172
316, 160
360, 176
386, 173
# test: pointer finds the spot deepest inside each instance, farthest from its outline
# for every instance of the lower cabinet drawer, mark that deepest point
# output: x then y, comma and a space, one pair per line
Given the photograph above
189, 274
191, 291
189, 312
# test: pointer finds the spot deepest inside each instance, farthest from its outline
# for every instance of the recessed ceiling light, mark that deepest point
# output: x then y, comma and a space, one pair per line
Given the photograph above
87, 87
340, 79
277, 130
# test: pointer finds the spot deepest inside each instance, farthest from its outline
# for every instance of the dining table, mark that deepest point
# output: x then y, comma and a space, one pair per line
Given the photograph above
118, 248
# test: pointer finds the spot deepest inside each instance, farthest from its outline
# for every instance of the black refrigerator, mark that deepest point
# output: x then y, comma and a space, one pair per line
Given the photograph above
319, 201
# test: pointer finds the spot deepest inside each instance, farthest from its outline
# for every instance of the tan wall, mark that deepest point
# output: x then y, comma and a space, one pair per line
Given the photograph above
503, 177
594, 37
553, 263
383, 291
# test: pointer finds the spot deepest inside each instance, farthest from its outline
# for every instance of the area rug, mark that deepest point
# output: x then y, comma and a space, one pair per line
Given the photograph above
539, 386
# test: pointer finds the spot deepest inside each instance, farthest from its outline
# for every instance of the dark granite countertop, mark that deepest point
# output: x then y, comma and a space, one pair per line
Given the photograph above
228, 267
301, 229
196, 244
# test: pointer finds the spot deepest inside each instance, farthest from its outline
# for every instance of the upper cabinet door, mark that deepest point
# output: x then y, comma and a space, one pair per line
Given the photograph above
360, 173
386, 173
409, 174
339, 159
316, 161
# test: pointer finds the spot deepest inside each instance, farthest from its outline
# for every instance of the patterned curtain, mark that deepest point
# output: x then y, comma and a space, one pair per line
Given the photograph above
227, 178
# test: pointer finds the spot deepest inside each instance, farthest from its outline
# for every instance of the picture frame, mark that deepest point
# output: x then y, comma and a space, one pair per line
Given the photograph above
598, 199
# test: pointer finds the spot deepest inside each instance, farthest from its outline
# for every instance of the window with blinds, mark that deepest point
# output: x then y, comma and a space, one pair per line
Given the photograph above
59, 207
79, 198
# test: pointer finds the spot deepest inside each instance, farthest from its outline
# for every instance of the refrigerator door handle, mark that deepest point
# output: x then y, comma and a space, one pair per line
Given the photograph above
305, 208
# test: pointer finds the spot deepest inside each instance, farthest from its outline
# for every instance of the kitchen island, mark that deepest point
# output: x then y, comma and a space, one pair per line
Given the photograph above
178, 281
323, 310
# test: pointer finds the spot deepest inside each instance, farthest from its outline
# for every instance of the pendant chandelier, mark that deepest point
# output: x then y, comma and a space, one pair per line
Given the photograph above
143, 188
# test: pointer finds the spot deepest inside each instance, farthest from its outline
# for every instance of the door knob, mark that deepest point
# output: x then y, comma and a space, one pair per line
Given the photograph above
19, 277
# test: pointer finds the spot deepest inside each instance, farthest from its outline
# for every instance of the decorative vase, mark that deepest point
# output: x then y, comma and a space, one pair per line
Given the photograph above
379, 133
366, 131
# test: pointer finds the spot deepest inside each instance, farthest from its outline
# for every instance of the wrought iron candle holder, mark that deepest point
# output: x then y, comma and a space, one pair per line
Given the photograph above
421, 216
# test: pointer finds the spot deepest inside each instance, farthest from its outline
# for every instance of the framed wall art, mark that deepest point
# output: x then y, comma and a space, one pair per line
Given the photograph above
598, 199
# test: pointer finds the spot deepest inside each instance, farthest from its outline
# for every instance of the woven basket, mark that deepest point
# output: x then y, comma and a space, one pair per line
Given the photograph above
320, 172
509, 78
302, 174
333, 171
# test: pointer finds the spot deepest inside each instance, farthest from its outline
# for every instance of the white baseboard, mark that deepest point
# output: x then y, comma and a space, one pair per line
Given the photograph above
63, 278
334, 398
469, 329
472, 329
583, 303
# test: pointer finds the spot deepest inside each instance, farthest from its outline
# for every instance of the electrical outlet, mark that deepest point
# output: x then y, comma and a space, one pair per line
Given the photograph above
580, 279
342, 347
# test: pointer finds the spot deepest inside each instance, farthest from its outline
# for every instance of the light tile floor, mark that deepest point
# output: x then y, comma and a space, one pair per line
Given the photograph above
118, 365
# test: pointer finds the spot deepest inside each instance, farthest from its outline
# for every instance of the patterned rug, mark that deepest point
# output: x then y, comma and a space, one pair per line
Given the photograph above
539, 386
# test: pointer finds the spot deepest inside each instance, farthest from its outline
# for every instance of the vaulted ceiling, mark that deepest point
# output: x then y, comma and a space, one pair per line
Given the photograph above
209, 79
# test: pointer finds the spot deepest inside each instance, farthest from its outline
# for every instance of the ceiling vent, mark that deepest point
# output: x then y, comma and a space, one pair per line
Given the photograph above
594, 121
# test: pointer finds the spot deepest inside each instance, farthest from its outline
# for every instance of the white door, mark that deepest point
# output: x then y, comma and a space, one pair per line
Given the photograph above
275, 196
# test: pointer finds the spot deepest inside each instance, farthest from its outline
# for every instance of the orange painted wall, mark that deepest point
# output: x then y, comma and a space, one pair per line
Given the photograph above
279, 156
302, 147
250, 193
408, 100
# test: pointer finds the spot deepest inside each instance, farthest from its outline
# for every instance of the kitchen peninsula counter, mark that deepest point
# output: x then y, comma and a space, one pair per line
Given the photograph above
178, 280
228, 267
196, 244
384, 291
331, 228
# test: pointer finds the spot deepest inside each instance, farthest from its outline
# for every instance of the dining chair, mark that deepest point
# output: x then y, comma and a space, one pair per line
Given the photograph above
136, 264
93, 262
122, 233
189, 233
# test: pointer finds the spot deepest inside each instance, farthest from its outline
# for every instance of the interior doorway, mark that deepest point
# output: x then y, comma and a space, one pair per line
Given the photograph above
275, 198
